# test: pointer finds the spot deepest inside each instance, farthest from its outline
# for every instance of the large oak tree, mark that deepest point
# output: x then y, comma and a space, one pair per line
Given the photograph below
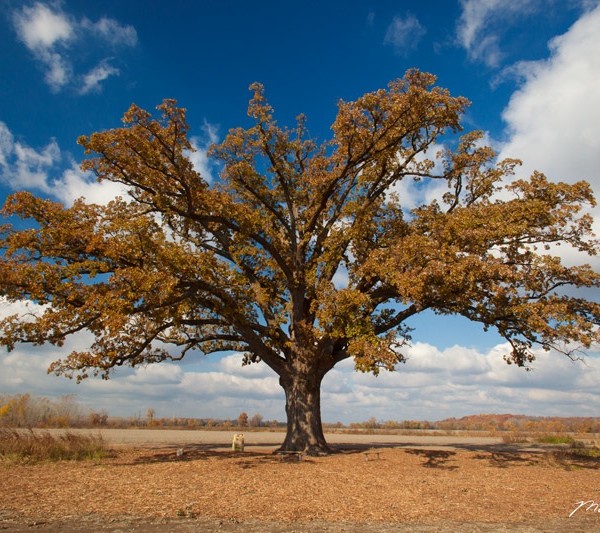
248, 262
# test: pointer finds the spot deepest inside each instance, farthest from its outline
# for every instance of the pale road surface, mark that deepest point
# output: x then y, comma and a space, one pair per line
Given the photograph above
219, 439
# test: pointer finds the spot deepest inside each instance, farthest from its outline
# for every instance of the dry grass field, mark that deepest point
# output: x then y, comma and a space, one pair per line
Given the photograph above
414, 483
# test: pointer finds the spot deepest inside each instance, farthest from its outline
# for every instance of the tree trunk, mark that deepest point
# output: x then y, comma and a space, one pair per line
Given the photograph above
303, 408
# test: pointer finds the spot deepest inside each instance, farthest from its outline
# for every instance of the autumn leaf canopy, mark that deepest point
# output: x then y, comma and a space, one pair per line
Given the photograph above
299, 251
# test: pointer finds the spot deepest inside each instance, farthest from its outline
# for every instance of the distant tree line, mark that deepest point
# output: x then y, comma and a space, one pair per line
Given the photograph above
524, 423
490, 422
25, 410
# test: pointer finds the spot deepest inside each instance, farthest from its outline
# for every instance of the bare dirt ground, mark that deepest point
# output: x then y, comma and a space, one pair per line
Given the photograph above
415, 483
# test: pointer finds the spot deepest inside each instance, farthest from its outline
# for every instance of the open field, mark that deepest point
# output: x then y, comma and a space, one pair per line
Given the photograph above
222, 439
418, 483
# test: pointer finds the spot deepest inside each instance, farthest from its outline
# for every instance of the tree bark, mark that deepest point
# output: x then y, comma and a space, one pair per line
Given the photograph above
303, 409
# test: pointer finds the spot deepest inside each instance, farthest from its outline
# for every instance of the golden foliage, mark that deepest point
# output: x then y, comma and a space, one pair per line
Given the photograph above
248, 263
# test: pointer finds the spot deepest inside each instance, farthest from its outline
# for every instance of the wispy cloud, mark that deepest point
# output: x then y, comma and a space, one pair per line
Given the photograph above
483, 22
50, 33
110, 31
93, 79
404, 34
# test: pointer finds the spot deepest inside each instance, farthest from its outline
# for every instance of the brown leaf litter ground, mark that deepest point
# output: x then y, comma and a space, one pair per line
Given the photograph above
208, 488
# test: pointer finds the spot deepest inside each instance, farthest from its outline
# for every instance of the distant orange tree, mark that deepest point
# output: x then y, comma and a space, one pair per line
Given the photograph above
242, 420
248, 262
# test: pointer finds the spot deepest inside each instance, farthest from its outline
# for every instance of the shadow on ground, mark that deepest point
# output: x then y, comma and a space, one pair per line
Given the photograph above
202, 452
439, 457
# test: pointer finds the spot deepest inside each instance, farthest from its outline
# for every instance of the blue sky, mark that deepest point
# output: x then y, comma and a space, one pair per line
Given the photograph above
531, 69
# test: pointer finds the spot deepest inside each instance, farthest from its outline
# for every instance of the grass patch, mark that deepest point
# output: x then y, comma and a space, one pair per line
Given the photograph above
593, 453
555, 439
30, 447
579, 449
577, 456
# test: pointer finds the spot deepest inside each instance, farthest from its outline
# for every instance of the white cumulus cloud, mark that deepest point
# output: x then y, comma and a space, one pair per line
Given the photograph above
40, 27
25, 167
22, 166
457, 381
434, 384
198, 156
73, 184
413, 193
553, 119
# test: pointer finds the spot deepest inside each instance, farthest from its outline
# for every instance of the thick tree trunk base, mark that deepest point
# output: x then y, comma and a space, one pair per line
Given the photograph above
310, 451
291, 444
303, 408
